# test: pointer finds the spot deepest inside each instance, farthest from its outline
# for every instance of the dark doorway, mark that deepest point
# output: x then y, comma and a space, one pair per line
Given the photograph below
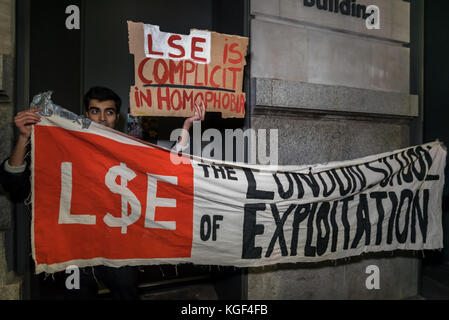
69, 62
436, 108
436, 113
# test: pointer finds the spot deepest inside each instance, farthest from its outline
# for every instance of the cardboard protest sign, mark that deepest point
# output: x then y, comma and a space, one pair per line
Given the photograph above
129, 203
173, 71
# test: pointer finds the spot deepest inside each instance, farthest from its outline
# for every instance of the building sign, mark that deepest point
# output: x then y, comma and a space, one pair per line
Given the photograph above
344, 7
128, 203
173, 71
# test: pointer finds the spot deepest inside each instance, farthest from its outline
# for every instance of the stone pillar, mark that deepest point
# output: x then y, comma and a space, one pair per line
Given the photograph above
10, 284
335, 91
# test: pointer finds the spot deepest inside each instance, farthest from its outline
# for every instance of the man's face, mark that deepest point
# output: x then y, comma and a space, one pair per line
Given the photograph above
103, 112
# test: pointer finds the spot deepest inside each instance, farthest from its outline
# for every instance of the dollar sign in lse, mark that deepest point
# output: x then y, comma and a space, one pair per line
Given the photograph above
128, 196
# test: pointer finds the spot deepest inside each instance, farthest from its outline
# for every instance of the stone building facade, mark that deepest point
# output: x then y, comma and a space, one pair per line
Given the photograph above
10, 284
335, 90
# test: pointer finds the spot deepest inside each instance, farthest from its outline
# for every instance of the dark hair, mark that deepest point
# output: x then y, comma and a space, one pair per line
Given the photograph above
102, 94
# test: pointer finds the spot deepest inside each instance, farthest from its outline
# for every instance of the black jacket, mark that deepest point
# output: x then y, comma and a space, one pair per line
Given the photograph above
17, 184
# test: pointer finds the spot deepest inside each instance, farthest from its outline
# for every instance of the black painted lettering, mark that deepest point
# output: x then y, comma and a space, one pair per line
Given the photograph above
298, 185
421, 214
394, 202
363, 222
205, 168
353, 180
310, 180
284, 194
370, 166
421, 174
250, 230
205, 228
360, 178
379, 196
334, 226
407, 174
402, 236
401, 165
343, 190
217, 170
216, 226
344, 218
230, 172
326, 192
390, 173
279, 232
252, 192
322, 216
301, 213
309, 250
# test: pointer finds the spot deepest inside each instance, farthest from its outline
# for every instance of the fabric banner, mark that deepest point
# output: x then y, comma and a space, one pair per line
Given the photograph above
103, 198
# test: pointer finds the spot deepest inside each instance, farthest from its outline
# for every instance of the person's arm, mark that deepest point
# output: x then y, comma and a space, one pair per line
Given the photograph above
14, 173
200, 112
24, 121
16, 160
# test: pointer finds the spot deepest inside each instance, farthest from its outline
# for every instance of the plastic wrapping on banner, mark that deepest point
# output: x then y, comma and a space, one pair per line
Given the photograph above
43, 101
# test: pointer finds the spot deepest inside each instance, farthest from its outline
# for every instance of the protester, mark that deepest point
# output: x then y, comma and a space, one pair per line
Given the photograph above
102, 106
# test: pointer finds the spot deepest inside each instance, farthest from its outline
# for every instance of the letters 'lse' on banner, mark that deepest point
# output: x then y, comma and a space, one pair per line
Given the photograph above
103, 198
173, 71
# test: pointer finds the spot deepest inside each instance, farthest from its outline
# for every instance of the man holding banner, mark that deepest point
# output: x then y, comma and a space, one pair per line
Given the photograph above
102, 106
